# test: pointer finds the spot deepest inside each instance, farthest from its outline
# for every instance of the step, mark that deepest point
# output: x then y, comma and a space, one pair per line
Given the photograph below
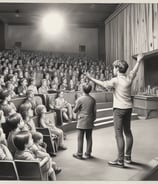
104, 112
103, 105
103, 119
99, 123
103, 124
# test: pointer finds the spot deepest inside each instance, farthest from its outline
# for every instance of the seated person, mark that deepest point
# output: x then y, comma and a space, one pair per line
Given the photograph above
5, 154
15, 124
39, 148
44, 88
27, 114
33, 100
64, 106
22, 88
32, 86
23, 142
10, 87
5, 103
47, 123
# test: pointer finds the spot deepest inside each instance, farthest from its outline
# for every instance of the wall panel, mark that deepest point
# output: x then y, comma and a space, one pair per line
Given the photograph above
133, 30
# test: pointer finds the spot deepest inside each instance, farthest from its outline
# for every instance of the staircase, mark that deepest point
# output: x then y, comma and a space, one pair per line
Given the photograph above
104, 117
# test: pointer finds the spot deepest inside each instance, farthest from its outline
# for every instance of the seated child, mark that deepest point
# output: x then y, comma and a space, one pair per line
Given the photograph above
15, 124
47, 123
5, 154
5, 102
40, 150
27, 114
23, 142
64, 106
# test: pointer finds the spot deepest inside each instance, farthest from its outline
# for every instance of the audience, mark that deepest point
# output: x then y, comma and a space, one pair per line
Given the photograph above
32, 73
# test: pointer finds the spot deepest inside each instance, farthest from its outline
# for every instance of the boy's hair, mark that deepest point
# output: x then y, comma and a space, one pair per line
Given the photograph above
39, 109
121, 65
13, 121
21, 139
86, 88
24, 109
36, 136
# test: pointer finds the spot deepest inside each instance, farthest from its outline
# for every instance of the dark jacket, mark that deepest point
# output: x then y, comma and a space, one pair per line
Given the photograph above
86, 112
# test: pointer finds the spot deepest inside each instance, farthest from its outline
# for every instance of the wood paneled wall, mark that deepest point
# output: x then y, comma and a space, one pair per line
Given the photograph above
132, 31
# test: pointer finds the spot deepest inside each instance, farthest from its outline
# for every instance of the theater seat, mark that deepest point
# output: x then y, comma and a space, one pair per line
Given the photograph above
8, 170
52, 143
29, 170
52, 146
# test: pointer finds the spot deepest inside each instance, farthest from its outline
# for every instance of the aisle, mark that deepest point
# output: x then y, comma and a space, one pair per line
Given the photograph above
104, 149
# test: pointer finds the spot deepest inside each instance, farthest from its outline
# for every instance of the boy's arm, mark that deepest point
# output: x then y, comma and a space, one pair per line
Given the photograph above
136, 67
77, 106
101, 83
104, 84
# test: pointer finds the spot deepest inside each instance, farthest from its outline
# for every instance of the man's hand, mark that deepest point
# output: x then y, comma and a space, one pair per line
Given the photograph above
140, 57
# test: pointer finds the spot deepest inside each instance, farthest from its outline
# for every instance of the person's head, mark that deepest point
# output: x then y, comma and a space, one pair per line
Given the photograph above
9, 85
44, 82
119, 66
40, 109
5, 95
32, 81
14, 121
26, 110
37, 137
23, 82
86, 88
23, 140
60, 94
29, 94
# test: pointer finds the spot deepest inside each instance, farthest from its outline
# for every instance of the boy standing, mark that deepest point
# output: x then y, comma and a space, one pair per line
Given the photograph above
122, 107
86, 114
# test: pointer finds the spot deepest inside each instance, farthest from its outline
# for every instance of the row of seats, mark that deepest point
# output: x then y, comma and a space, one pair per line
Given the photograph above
21, 170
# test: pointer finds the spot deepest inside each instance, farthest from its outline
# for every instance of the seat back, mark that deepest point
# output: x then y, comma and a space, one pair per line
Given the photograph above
28, 170
52, 146
44, 131
18, 101
8, 170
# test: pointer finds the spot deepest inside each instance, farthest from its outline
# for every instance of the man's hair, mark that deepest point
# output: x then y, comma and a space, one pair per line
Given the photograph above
86, 88
121, 65
21, 139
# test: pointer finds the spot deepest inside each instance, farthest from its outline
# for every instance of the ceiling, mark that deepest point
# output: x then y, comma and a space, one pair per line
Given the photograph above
90, 15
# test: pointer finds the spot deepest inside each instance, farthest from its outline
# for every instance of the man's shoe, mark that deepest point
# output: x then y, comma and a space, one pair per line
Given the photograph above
88, 156
62, 148
128, 159
58, 170
116, 163
75, 155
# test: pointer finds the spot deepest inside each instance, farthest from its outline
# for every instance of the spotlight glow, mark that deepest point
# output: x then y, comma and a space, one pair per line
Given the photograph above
53, 23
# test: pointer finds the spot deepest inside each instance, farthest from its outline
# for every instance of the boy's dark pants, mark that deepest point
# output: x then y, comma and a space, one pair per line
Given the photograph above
122, 124
81, 133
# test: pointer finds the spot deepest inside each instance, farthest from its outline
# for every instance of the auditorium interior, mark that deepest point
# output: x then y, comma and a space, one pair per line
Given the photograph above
47, 48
